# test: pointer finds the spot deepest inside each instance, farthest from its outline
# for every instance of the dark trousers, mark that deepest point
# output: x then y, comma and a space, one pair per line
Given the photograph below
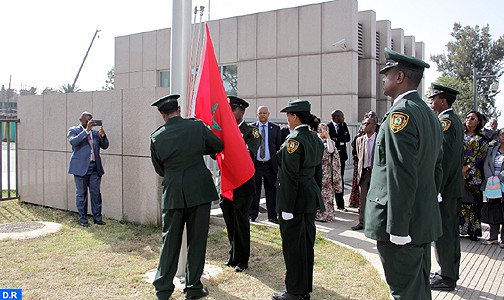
197, 220
365, 180
298, 239
235, 215
494, 231
340, 202
264, 170
448, 245
407, 269
92, 181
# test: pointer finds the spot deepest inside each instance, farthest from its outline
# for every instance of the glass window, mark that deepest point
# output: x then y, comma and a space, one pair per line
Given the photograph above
230, 79
164, 78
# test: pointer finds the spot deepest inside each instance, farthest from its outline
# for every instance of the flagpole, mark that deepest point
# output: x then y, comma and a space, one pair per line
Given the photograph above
180, 68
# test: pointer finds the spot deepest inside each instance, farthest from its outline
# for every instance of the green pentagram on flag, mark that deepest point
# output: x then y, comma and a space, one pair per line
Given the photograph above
215, 125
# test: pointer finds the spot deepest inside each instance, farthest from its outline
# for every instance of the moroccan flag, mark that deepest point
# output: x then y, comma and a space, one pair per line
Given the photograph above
212, 107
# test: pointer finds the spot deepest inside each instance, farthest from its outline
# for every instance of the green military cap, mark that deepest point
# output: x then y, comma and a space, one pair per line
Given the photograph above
237, 102
297, 105
171, 99
395, 59
438, 89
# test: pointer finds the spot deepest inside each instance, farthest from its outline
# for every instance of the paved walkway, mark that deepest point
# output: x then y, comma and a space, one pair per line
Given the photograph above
481, 269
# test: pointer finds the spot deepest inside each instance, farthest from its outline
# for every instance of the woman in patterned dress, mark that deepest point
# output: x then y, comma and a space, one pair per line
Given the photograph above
475, 151
331, 175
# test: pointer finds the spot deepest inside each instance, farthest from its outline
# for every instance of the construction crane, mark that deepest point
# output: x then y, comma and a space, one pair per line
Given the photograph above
84, 60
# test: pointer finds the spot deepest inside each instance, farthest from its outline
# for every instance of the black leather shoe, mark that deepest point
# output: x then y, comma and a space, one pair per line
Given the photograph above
100, 222
203, 293
358, 227
84, 224
230, 263
252, 219
438, 284
287, 296
240, 267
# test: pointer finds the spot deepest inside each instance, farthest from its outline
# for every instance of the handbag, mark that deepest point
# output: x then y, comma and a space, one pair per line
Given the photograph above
493, 189
468, 197
492, 212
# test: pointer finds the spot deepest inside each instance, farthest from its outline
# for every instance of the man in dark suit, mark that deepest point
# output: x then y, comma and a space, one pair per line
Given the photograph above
266, 164
452, 188
86, 166
236, 211
364, 146
177, 150
402, 211
338, 131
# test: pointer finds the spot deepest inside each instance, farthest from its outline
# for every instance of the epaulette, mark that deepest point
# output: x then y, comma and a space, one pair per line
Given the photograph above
157, 129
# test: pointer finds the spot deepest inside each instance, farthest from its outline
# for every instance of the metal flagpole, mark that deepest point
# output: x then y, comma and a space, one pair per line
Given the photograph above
180, 66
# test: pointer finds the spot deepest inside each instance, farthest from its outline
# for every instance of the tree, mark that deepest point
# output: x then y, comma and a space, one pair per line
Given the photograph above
471, 48
68, 88
109, 83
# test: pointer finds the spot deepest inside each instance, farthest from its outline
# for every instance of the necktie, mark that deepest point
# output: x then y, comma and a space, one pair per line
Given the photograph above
90, 141
262, 152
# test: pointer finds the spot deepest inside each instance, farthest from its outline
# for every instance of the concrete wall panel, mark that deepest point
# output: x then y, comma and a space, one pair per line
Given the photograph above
163, 49
31, 176
136, 57
287, 32
247, 79
54, 123
228, 49
266, 78
55, 179
287, 76
122, 55
141, 193
149, 56
310, 29
30, 135
267, 35
247, 37
310, 72
107, 106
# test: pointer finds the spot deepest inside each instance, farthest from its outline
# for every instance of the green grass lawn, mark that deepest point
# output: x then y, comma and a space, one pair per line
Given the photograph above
108, 262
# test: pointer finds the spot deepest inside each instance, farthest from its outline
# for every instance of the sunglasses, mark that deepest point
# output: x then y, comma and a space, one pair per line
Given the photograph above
470, 118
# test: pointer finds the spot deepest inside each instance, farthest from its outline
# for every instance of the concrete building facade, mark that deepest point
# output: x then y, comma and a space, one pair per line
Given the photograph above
328, 53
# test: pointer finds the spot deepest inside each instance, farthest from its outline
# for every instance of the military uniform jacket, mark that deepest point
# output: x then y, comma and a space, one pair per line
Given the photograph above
252, 139
177, 150
452, 185
300, 173
402, 198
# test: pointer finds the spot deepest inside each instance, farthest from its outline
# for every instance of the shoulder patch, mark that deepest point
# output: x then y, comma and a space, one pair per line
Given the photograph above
292, 146
398, 120
445, 124
255, 133
156, 130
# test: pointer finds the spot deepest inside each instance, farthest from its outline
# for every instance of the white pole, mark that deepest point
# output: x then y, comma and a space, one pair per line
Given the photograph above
180, 71
180, 64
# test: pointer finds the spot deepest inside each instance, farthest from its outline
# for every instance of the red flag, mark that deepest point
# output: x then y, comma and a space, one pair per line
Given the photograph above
212, 107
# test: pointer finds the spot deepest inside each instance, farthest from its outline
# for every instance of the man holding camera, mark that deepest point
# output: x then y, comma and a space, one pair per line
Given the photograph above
86, 165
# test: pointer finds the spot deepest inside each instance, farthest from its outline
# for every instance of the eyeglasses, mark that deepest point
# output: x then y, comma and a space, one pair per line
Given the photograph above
501, 134
470, 118
367, 123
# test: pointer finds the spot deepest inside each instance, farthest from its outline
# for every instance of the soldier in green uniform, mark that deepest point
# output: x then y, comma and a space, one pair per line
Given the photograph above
298, 198
236, 211
452, 188
402, 211
177, 150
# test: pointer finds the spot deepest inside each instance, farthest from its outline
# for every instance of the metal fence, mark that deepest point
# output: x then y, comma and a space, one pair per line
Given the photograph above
9, 159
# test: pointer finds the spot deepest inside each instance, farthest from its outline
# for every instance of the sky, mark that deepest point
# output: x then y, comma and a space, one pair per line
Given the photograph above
44, 42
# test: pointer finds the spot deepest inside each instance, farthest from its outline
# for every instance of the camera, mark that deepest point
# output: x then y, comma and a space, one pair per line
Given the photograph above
98, 122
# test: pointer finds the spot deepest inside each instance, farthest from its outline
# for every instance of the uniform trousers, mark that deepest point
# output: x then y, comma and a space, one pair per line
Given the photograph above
407, 269
448, 245
298, 239
197, 219
92, 181
236, 215
264, 170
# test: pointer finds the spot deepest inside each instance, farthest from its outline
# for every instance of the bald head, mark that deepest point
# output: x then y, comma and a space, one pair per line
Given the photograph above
263, 114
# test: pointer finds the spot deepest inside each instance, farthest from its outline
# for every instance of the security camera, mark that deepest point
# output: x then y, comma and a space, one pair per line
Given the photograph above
341, 43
